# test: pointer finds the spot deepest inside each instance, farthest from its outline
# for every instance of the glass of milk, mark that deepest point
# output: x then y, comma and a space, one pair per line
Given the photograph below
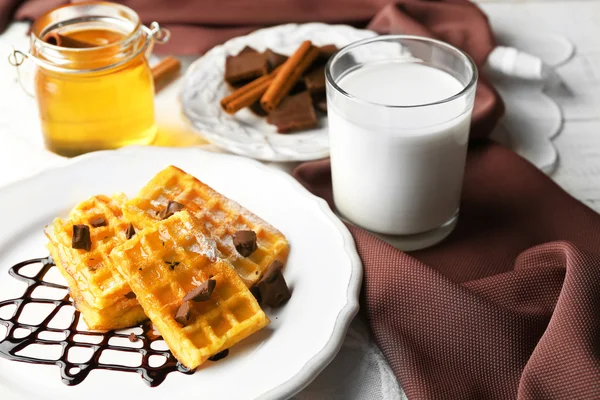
399, 110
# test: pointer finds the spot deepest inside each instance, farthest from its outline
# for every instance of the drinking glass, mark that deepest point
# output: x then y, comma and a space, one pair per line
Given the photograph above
399, 110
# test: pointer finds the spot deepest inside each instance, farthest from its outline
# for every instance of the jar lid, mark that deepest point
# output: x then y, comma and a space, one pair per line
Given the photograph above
102, 54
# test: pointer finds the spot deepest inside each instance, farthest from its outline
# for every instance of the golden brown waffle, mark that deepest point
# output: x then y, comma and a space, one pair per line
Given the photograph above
163, 263
103, 297
221, 216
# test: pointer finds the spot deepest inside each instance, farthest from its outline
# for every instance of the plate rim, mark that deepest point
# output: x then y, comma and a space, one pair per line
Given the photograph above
210, 135
317, 363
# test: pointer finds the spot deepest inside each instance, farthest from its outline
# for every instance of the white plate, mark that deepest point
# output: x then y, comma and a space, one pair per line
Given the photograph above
323, 271
245, 133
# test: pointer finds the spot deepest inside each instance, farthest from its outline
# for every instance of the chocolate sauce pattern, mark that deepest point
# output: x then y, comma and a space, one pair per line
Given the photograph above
74, 373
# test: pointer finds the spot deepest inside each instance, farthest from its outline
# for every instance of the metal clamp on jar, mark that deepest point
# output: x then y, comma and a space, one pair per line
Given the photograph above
92, 81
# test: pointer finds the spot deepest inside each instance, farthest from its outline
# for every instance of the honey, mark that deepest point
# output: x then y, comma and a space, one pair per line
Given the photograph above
97, 37
98, 97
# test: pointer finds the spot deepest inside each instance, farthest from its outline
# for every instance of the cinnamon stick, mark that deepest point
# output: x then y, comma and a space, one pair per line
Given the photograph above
165, 71
57, 39
291, 71
248, 94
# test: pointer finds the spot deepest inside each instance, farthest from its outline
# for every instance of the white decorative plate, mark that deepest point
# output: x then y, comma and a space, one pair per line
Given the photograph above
323, 272
245, 133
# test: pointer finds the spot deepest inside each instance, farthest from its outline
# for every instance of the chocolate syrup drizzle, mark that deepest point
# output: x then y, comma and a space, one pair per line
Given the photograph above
74, 373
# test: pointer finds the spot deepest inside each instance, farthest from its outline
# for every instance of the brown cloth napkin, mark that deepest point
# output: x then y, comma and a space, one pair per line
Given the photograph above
198, 25
508, 306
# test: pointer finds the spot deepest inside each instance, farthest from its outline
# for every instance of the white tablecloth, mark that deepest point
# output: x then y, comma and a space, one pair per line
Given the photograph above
359, 371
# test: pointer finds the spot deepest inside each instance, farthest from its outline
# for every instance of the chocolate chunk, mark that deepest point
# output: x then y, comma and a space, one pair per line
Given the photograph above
245, 242
98, 222
274, 59
325, 52
220, 355
245, 65
170, 209
202, 292
258, 110
132, 337
294, 113
298, 88
130, 295
272, 287
237, 85
256, 293
183, 313
248, 50
315, 76
315, 80
81, 237
130, 232
273, 270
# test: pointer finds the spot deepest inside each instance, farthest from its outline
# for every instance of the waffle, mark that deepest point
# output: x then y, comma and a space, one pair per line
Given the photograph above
221, 216
102, 296
163, 263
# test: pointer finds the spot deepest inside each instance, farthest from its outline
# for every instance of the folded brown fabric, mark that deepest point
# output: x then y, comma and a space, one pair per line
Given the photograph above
7, 8
197, 25
508, 306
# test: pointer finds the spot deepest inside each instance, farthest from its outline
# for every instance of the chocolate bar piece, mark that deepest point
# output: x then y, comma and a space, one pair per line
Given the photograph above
184, 312
272, 288
258, 110
299, 87
81, 237
171, 208
294, 113
248, 64
315, 80
325, 52
274, 59
202, 292
247, 50
98, 222
129, 233
245, 242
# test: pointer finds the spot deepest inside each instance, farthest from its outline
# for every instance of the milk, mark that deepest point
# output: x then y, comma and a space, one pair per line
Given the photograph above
398, 170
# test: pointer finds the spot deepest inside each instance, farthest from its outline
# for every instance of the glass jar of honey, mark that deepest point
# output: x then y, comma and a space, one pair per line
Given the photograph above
93, 84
